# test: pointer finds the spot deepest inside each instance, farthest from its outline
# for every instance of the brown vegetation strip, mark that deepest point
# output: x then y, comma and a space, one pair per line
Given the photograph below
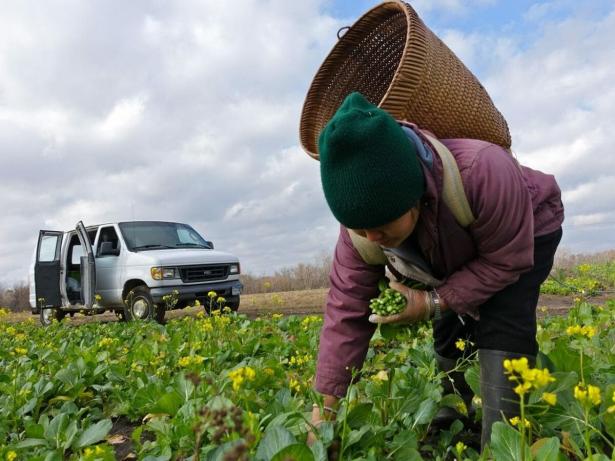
303, 302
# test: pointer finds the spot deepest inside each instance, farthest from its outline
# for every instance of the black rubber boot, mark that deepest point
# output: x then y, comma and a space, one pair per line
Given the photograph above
453, 383
498, 397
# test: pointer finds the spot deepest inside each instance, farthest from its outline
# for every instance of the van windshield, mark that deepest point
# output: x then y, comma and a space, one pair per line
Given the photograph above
152, 235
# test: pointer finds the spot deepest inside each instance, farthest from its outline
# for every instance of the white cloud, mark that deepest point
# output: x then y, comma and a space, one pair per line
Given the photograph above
189, 111
124, 116
557, 96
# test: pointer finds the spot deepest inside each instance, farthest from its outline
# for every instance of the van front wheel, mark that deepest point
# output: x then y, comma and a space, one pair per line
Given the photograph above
139, 304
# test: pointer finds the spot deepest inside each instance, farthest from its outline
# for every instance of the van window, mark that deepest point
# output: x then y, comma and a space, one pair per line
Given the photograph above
92, 235
187, 235
107, 234
47, 250
77, 253
156, 235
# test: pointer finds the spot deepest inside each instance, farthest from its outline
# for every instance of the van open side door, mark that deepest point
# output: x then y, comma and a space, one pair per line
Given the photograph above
88, 267
47, 269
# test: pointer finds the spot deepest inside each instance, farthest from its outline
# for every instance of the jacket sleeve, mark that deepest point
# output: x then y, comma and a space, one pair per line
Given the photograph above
503, 231
346, 331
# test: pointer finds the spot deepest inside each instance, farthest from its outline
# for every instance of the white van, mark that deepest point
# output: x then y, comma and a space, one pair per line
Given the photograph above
128, 267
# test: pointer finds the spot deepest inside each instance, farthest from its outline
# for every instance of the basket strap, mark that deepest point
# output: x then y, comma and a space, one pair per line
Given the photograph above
452, 187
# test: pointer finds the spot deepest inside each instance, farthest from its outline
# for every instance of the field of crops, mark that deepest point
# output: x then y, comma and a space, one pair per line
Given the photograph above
224, 387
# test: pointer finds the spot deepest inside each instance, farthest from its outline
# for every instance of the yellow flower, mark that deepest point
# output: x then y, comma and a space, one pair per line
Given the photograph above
276, 316
587, 331
105, 342
294, 385
190, 360
380, 376
549, 397
250, 373
611, 409
20, 351
516, 421
212, 294
461, 408
240, 375
11, 456
587, 395
221, 300
460, 344
460, 448
516, 365
522, 388
207, 326
594, 394
573, 330
542, 377
309, 320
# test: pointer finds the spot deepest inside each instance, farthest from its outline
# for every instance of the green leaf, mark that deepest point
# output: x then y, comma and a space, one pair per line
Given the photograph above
455, 402
546, 449
169, 403
426, 412
275, 439
185, 388
472, 377
296, 452
356, 435
319, 451
56, 426
598, 457
359, 415
407, 454
506, 443
94, 434
36, 431
28, 443
28, 407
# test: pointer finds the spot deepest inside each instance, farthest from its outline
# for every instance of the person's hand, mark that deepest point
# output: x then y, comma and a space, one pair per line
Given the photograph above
417, 307
328, 414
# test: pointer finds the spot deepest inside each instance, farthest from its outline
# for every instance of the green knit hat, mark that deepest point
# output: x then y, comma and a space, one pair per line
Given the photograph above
370, 171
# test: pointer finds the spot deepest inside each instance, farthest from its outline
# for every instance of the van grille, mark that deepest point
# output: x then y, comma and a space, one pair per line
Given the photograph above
203, 273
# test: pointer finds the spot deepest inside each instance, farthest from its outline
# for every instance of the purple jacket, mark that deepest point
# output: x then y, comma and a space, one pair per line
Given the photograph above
511, 204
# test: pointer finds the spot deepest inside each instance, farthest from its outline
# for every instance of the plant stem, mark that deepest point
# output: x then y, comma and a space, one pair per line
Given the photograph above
581, 365
586, 434
522, 427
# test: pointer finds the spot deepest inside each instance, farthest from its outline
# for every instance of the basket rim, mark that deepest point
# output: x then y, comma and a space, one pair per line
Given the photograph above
397, 4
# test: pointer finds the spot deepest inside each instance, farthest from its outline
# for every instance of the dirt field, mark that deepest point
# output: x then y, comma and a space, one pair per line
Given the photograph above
302, 302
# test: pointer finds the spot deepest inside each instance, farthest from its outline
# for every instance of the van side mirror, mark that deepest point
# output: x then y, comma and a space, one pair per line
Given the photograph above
106, 249
210, 244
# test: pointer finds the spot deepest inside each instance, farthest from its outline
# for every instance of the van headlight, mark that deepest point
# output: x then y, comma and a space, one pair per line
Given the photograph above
164, 273
234, 269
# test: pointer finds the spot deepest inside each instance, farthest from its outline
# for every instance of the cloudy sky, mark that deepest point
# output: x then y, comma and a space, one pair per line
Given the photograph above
189, 111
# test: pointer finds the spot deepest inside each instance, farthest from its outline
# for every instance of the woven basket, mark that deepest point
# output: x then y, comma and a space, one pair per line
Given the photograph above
391, 57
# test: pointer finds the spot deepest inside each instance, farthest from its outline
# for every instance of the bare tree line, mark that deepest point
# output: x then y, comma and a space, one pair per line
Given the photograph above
16, 298
300, 277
